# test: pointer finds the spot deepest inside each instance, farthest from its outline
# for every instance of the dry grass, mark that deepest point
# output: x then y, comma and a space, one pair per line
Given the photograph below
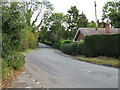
101, 60
7, 83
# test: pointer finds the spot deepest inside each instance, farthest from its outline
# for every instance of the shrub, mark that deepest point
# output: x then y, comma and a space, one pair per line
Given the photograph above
63, 42
107, 45
5, 68
48, 43
15, 61
80, 45
6, 46
29, 39
77, 48
93, 45
25, 43
33, 39
17, 35
56, 45
70, 48
66, 41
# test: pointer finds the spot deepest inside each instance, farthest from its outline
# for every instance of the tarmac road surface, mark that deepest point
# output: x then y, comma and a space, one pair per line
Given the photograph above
53, 69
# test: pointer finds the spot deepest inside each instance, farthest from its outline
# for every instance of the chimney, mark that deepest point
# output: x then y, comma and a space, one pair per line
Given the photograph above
107, 26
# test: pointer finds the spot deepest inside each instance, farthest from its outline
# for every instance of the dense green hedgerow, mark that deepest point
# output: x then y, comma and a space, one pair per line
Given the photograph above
70, 48
17, 36
94, 45
48, 43
77, 48
56, 45
15, 61
5, 69
29, 39
63, 42
104, 45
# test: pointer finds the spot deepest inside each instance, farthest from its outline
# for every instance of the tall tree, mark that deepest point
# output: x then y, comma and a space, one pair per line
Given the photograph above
93, 25
101, 24
36, 9
73, 14
55, 27
12, 24
111, 11
76, 20
82, 21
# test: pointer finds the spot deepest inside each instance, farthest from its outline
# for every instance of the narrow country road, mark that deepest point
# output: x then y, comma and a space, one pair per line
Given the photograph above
56, 70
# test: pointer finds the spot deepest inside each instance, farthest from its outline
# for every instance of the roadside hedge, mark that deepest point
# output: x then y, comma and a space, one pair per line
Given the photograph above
17, 35
63, 42
94, 45
77, 48
47, 42
82, 49
56, 45
104, 45
70, 48
29, 39
14, 61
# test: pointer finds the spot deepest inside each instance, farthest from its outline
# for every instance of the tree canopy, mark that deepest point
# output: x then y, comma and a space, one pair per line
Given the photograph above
76, 20
111, 11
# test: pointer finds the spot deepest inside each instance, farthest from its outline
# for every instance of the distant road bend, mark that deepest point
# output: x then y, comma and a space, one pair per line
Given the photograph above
57, 70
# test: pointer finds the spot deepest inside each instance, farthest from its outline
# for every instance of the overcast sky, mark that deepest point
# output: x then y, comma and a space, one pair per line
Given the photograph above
87, 6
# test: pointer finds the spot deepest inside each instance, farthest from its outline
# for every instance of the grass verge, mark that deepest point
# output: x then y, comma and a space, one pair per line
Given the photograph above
27, 51
107, 61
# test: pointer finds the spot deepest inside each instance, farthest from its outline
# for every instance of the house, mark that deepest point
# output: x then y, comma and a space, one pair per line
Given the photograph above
82, 32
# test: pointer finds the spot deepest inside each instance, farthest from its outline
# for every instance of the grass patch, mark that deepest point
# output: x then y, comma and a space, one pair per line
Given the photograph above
100, 60
27, 51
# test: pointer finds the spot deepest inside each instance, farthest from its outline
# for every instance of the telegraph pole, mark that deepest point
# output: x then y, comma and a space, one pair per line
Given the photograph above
96, 16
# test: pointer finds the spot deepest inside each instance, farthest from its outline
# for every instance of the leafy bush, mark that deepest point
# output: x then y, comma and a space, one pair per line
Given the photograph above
12, 23
66, 41
56, 45
70, 48
48, 43
33, 39
17, 35
5, 68
80, 45
6, 46
63, 42
77, 48
29, 39
25, 43
94, 45
104, 45
15, 61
